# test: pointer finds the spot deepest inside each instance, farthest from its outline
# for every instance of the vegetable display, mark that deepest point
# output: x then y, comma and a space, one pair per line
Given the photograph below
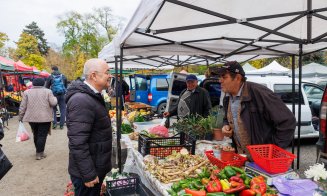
230, 181
126, 129
176, 167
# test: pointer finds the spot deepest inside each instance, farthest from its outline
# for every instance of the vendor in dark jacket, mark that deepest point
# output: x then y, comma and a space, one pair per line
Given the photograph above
253, 113
89, 129
193, 100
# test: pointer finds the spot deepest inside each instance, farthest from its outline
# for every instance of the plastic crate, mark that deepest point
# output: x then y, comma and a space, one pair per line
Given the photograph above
162, 147
128, 186
271, 158
237, 160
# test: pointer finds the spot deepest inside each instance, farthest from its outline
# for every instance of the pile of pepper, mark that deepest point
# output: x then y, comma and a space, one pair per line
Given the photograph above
230, 181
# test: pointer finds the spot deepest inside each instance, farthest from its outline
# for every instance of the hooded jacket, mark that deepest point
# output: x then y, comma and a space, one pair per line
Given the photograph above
89, 133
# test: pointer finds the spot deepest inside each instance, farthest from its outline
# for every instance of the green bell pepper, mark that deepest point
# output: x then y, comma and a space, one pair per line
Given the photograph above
229, 171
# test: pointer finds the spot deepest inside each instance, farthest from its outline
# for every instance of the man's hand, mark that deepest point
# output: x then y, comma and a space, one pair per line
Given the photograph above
227, 131
92, 183
166, 114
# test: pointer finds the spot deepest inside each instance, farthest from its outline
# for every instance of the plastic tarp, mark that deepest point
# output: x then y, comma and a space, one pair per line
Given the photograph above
6, 64
312, 70
221, 28
272, 68
248, 67
20, 66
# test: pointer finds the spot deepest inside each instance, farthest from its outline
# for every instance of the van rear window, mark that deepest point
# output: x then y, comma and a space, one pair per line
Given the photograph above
141, 84
178, 87
284, 91
162, 84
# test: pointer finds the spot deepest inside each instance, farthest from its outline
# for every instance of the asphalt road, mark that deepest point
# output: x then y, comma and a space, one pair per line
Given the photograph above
308, 154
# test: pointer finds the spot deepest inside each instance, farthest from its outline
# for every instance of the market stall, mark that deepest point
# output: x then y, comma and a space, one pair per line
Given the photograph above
215, 169
221, 31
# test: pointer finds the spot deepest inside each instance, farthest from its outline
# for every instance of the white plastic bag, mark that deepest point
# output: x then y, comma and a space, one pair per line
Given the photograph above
22, 134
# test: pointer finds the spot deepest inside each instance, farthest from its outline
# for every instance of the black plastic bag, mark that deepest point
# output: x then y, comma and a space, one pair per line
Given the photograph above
5, 164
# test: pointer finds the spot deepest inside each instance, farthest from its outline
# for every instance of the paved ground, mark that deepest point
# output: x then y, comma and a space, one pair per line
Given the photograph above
49, 176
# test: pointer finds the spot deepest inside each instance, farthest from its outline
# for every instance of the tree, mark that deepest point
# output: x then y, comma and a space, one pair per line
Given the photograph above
317, 57
3, 39
34, 30
104, 17
70, 26
28, 52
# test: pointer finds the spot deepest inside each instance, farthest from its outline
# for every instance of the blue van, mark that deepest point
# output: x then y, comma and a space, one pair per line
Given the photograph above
150, 89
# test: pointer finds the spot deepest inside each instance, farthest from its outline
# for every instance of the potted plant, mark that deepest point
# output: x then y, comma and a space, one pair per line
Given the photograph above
194, 125
217, 115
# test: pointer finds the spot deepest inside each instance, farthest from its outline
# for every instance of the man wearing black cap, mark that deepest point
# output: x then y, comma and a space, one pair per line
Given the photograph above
193, 100
57, 82
253, 113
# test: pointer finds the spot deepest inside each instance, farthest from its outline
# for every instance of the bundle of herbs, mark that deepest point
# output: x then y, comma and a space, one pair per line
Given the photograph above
194, 125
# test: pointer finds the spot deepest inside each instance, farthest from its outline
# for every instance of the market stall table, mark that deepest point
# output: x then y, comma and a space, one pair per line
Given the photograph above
135, 164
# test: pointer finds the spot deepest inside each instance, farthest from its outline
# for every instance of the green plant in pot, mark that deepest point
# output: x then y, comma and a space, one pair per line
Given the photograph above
217, 115
194, 125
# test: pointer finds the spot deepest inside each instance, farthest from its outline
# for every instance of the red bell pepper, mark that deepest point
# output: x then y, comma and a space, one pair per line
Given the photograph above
214, 186
247, 192
259, 185
257, 179
237, 189
195, 193
234, 184
236, 179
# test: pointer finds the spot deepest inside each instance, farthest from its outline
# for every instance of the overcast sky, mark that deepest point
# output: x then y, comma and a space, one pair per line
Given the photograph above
16, 14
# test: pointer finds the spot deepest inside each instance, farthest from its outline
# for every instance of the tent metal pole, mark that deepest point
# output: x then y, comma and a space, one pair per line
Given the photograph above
251, 58
293, 100
149, 45
118, 131
121, 101
147, 30
299, 107
309, 21
3, 97
269, 31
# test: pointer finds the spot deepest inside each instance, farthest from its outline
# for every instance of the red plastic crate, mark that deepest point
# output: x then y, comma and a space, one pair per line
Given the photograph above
238, 160
271, 158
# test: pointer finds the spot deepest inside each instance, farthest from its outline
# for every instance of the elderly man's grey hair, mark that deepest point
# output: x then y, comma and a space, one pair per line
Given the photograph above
92, 65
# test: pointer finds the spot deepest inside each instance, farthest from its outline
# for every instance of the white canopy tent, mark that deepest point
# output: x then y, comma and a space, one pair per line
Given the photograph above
221, 30
248, 67
271, 69
312, 70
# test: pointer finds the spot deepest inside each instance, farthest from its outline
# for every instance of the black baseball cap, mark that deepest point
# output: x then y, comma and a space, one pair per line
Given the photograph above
232, 66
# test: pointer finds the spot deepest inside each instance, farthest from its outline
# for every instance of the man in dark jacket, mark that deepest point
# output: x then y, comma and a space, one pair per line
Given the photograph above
253, 113
57, 82
124, 88
89, 129
193, 100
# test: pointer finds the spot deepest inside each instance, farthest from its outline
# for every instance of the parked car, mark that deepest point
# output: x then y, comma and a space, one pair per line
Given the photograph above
150, 89
317, 80
311, 95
